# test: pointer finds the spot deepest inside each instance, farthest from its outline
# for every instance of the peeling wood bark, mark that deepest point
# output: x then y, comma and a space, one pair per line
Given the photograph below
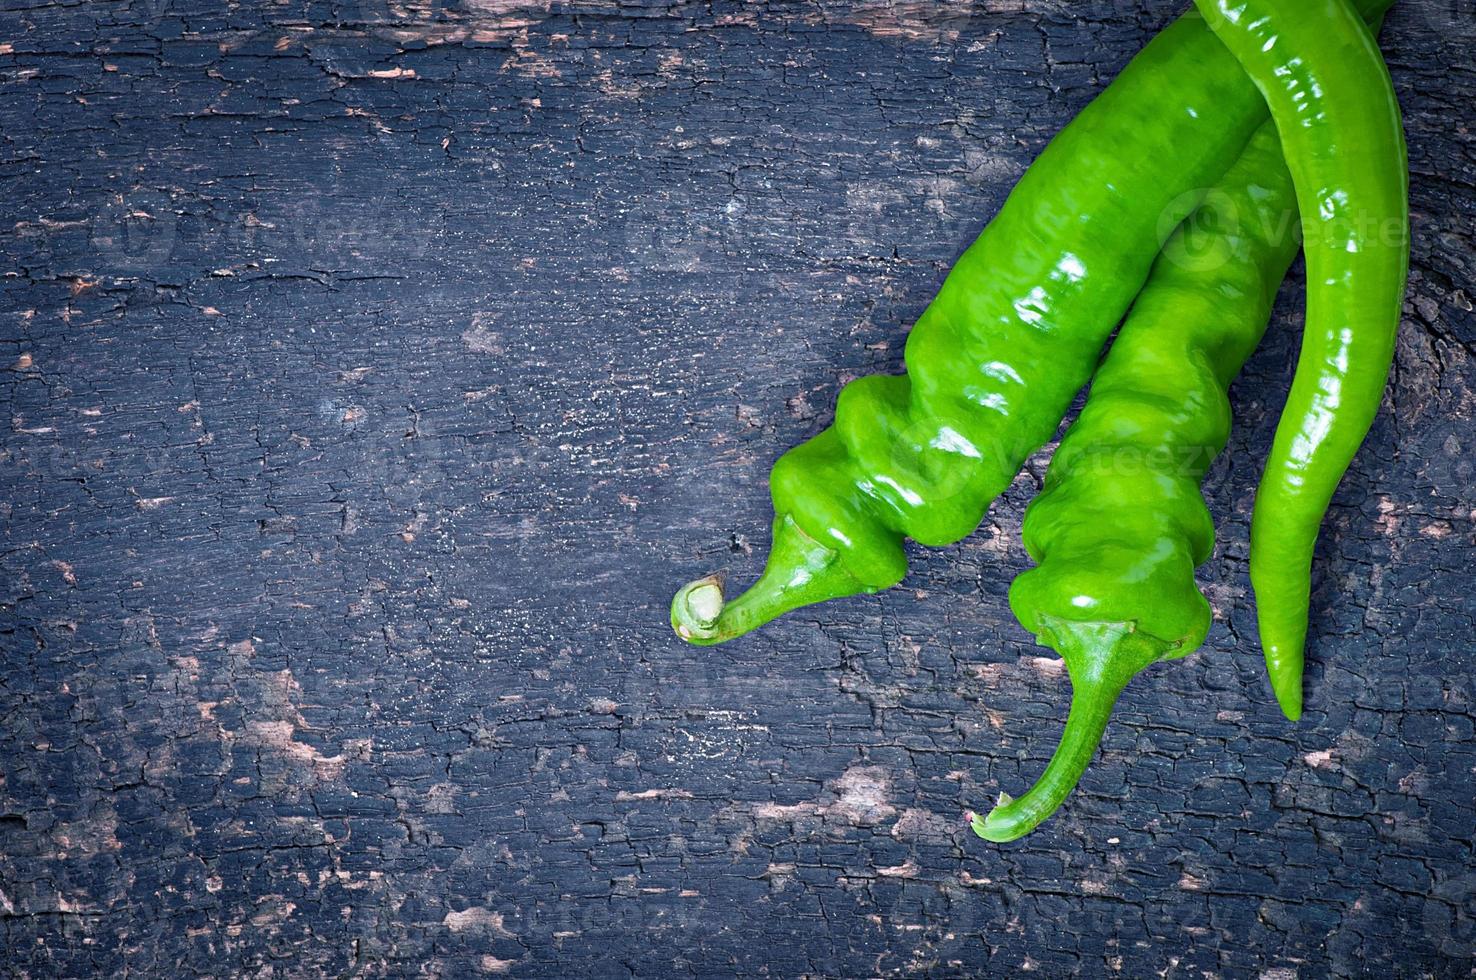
377, 368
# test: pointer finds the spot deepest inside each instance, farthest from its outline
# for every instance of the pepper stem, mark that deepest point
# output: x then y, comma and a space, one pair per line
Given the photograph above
1101, 658
801, 571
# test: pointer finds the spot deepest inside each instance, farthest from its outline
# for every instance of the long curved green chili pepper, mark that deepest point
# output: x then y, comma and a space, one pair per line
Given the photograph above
1333, 103
1011, 337
1121, 524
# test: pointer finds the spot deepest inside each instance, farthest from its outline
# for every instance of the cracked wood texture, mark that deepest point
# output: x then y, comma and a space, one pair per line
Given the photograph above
376, 369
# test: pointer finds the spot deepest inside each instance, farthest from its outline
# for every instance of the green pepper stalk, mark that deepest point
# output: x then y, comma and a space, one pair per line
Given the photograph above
1333, 103
1121, 524
1013, 334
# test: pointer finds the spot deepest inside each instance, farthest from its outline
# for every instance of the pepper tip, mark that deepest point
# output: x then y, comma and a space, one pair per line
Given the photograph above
1290, 698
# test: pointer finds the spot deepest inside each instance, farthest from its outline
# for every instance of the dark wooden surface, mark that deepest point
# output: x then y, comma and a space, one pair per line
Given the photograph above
376, 370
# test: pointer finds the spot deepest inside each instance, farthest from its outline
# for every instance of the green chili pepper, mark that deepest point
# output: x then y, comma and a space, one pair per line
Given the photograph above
1121, 524
1333, 103
1012, 336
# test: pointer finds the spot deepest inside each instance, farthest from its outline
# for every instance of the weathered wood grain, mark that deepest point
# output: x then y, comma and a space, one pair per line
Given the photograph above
376, 370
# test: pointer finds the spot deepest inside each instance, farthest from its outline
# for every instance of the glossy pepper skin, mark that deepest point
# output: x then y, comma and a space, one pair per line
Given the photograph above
1334, 106
1013, 334
1121, 524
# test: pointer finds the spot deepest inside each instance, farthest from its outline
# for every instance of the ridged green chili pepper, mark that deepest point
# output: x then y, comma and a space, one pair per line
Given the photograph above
1011, 337
1333, 103
1121, 524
